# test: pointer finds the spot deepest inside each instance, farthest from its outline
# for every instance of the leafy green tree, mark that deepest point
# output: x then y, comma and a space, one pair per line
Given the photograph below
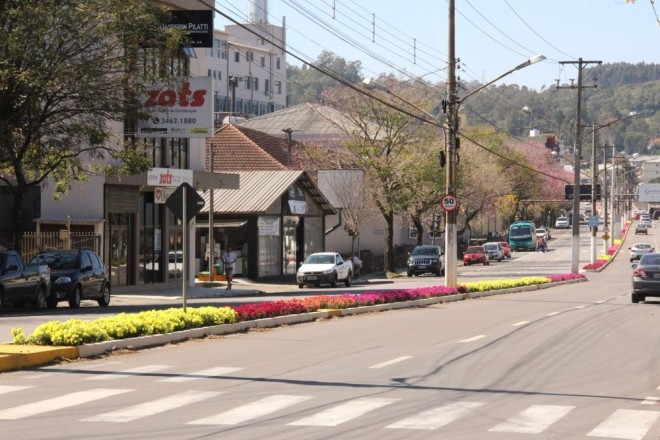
307, 84
381, 140
67, 69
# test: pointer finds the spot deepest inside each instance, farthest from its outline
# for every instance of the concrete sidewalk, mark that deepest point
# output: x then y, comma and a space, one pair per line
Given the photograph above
241, 287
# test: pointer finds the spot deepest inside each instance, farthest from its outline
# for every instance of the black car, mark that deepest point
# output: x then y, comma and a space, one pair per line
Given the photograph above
646, 277
426, 259
75, 275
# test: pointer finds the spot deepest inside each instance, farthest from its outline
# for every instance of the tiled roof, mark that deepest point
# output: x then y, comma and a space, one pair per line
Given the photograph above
238, 148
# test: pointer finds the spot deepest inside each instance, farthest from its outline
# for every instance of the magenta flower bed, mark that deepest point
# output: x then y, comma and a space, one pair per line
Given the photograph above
249, 312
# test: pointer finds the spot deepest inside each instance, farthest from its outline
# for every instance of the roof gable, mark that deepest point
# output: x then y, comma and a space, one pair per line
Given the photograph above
244, 149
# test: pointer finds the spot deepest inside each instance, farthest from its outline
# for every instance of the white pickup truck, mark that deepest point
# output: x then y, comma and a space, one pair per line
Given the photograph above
324, 268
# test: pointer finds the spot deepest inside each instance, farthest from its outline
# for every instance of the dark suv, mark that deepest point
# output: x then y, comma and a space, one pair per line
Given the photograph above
75, 275
426, 259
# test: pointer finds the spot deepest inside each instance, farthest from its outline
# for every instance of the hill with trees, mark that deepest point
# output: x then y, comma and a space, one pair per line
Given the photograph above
513, 110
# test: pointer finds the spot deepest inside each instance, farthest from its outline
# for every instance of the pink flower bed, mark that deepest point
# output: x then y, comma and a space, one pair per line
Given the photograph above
249, 312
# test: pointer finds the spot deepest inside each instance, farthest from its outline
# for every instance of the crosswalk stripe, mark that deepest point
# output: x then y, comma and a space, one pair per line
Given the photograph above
626, 424
252, 410
437, 417
130, 372
534, 420
651, 400
4, 389
202, 374
142, 410
56, 403
343, 413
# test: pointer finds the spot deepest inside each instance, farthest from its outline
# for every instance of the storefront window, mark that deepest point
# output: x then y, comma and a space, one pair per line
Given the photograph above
313, 235
270, 246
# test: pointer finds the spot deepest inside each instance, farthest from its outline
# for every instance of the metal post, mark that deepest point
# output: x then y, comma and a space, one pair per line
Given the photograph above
184, 250
594, 229
451, 248
606, 199
211, 242
613, 214
575, 245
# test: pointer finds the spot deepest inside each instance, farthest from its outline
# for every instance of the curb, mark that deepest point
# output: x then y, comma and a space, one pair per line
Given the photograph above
14, 357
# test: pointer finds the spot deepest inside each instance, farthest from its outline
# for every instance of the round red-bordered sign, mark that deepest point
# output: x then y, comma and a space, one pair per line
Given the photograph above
448, 202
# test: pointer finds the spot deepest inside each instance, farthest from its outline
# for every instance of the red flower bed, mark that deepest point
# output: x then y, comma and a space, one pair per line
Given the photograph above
249, 312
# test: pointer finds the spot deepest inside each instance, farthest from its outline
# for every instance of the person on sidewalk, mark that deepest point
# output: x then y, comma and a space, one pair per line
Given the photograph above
229, 258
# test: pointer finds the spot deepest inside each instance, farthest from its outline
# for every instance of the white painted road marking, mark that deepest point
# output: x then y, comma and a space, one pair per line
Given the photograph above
127, 373
651, 400
518, 324
626, 424
145, 409
57, 403
252, 410
534, 420
343, 413
202, 374
437, 417
474, 338
4, 389
393, 361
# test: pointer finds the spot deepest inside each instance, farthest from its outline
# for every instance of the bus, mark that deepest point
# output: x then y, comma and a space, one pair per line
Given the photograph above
522, 236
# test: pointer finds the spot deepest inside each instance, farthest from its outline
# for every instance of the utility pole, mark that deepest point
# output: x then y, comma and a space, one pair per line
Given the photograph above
575, 246
451, 245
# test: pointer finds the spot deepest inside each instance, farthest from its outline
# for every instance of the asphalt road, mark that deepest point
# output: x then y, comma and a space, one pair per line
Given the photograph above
578, 361
132, 300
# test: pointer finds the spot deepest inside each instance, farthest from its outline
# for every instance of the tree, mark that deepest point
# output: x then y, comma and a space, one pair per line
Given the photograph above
68, 68
307, 84
386, 143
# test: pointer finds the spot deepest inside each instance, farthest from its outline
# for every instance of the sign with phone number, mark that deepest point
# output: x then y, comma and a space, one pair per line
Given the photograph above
182, 110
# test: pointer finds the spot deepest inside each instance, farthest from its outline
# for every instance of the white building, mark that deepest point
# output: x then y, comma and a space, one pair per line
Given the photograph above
135, 229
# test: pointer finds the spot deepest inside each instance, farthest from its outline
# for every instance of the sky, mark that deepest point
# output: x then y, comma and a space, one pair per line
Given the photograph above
411, 37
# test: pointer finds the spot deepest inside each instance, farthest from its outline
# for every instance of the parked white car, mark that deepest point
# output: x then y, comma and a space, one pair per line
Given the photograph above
324, 268
562, 223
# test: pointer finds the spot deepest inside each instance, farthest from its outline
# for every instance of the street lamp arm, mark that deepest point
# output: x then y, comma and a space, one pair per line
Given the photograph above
529, 62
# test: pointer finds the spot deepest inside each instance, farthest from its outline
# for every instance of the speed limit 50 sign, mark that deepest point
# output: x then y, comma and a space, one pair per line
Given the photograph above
448, 202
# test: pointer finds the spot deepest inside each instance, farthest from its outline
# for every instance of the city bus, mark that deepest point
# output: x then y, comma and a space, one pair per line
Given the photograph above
522, 236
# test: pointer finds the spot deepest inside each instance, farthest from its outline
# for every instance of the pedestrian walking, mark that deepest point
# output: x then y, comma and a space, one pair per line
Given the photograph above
229, 258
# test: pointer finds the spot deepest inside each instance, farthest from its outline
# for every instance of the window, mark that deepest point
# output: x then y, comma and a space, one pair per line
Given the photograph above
209, 74
237, 57
215, 75
277, 63
223, 54
266, 85
249, 56
278, 87
263, 61
256, 83
248, 82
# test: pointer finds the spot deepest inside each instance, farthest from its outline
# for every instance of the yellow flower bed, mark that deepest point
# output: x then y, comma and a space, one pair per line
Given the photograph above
483, 286
151, 322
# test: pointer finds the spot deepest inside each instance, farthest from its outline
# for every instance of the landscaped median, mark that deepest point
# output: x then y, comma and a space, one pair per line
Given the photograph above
76, 338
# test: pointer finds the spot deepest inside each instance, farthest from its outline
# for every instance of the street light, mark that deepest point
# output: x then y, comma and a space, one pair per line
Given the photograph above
453, 105
594, 228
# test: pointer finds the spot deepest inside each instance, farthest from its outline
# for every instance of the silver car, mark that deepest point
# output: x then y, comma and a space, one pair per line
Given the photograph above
495, 251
